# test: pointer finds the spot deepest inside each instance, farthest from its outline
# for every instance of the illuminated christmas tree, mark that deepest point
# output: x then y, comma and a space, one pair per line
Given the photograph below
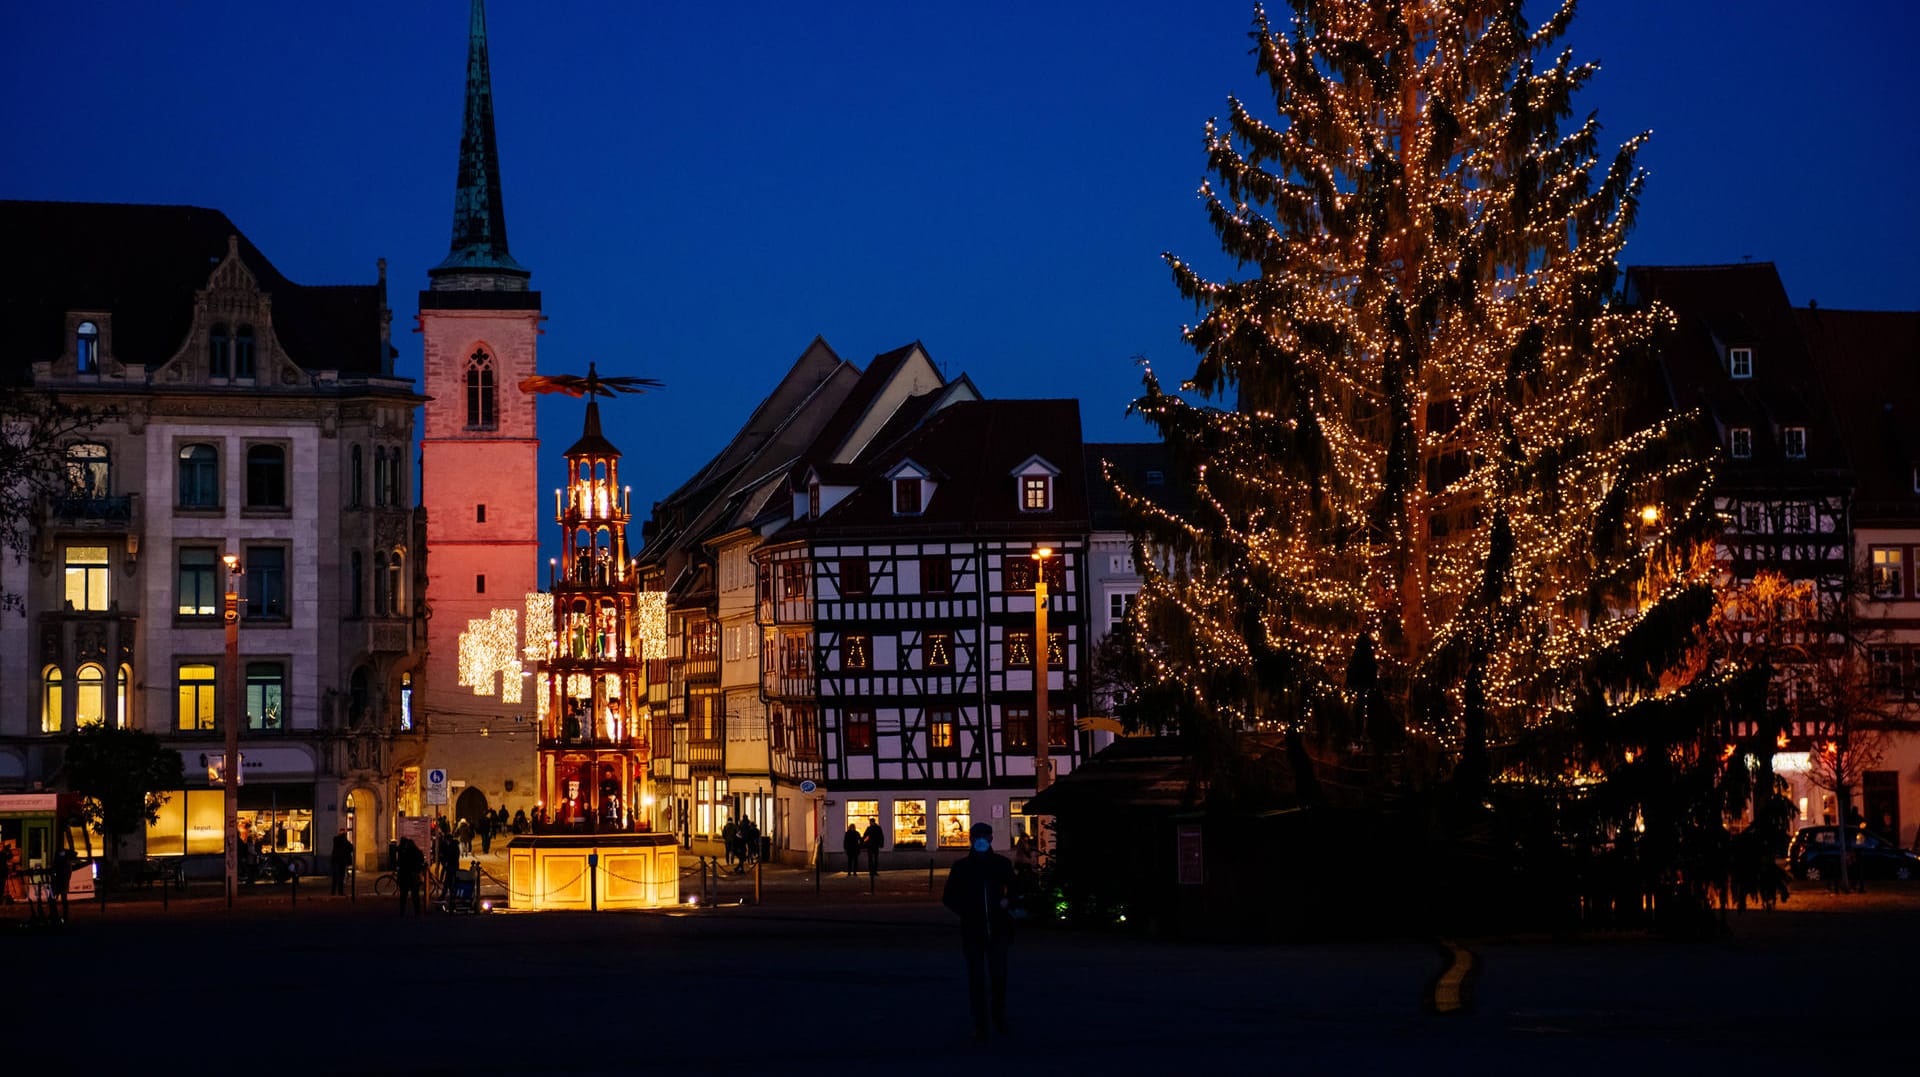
1438, 535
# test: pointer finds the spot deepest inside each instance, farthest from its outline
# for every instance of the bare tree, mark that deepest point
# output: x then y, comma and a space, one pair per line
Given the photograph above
35, 429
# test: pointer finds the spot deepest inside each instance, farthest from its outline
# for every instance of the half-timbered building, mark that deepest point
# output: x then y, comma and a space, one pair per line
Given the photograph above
899, 607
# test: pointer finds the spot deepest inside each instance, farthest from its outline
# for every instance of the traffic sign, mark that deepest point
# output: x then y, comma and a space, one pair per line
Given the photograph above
436, 786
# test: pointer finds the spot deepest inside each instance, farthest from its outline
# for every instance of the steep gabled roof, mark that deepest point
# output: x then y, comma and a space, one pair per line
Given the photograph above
1722, 307
143, 265
1870, 362
974, 445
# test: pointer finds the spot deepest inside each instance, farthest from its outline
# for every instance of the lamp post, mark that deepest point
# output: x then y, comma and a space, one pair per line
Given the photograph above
1042, 717
230, 720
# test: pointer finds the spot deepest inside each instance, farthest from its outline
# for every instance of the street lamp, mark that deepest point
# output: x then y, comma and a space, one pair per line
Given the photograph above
1042, 717
230, 773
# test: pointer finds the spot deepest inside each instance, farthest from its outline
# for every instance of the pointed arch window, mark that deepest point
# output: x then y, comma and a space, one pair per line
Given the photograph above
481, 409
357, 584
122, 687
356, 477
379, 583
86, 348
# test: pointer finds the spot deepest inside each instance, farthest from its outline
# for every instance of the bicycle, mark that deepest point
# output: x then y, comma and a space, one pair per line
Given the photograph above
387, 884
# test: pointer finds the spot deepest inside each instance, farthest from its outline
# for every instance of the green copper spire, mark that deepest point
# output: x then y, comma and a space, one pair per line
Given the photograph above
478, 257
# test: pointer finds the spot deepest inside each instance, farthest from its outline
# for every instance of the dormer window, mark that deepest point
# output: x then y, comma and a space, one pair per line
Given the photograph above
1795, 438
1740, 443
1740, 362
1036, 493
813, 500
86, 348
906, 496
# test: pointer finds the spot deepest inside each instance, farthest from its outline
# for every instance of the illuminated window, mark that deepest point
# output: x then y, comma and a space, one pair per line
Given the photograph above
266, 695
1036, 493
793, 580
906, 497
86, 348
856, 652
1057, 650
936, 574
196, 690
1018, 650
1740, 362
862, 813
853, 576
199, 582
86, 578
939, 650
121, 687
956, 818
199, 482
89, 470
396, 589
909, 824
1740, 443
481, 403
1057, 728
1016, 727
89, 696
51, 702
1016, 572
1888, 572
943, 740
859, 734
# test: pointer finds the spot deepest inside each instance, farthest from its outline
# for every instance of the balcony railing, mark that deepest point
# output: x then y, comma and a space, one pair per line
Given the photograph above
116, 511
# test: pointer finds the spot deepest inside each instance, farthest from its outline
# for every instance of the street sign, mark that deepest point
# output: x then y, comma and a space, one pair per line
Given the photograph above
808, 786
436, 786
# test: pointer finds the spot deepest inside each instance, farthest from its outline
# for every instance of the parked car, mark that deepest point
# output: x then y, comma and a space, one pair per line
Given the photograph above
1815, 856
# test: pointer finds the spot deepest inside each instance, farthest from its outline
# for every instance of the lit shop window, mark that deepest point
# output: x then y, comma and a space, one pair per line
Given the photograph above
909, 824
956, 817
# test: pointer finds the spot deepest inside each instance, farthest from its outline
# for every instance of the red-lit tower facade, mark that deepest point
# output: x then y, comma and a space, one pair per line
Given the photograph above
593, 738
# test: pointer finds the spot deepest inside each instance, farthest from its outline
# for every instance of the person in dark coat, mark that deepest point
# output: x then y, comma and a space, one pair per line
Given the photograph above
874, 838
341, 856
410, 869
852, 843
980, 891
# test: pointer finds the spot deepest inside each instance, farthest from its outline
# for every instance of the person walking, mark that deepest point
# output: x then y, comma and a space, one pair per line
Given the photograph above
979, 890
730, 839
410, 869
339, 859
873, 839
749, 842
486, 833
852, 843
465, 833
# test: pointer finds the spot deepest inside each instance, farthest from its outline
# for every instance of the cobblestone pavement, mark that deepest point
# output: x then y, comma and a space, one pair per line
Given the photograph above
851, 982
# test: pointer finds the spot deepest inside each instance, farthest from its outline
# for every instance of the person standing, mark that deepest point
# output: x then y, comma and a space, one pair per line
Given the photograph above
730, 839
749, 842
341, 856
409, 869
980, 891
874, 838
852, 843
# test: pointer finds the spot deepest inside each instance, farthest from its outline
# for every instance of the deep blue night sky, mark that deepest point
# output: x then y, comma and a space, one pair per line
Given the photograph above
700, 189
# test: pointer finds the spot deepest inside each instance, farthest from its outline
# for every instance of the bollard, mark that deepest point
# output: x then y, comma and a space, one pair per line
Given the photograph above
756, 882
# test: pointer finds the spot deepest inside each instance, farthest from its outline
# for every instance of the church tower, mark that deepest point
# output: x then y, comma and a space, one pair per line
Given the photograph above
479, 454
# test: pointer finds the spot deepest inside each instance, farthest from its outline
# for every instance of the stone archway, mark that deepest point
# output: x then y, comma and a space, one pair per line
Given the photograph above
364, 830
471, 805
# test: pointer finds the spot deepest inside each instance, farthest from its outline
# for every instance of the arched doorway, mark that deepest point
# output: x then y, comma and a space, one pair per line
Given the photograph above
363, 827
471, 806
